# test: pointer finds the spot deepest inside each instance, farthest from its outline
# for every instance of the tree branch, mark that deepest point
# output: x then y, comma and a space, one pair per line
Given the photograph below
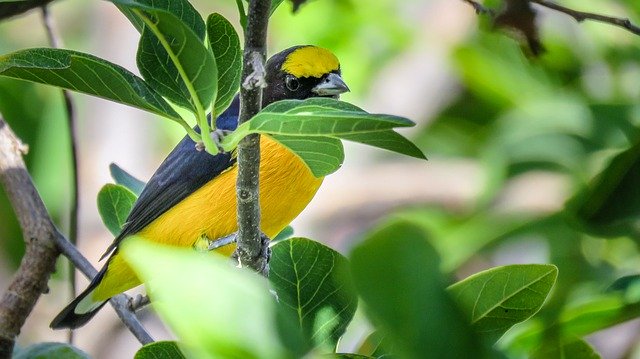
250, 251
43, 245
39, 261
13, 8
580, 16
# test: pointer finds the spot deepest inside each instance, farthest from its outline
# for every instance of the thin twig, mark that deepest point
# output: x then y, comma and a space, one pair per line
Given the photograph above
580, 16
120, 302
250, 251
56, 42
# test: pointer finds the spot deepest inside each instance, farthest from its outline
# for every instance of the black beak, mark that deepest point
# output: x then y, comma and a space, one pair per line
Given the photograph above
332, 85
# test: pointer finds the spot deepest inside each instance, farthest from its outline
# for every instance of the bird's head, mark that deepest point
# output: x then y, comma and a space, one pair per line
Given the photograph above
301, 72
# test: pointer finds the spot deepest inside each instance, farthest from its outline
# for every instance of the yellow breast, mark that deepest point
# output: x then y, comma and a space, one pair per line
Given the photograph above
286, 187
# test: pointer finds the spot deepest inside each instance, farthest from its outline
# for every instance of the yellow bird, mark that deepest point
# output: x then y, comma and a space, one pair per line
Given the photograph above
192, 194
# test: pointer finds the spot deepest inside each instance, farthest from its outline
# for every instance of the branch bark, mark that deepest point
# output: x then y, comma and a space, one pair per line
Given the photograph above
43, 245
30, 281
250, 251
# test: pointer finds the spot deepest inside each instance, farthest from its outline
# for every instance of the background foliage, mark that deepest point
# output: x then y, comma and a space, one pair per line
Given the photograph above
536, 133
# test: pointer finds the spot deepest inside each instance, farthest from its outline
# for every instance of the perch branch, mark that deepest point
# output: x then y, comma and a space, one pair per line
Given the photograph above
250, 251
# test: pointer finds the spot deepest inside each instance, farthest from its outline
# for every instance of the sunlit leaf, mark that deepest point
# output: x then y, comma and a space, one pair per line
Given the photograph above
574, 349
217, 310
498, 298
323, 155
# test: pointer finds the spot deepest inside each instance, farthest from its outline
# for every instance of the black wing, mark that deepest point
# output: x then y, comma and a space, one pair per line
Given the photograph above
183, 172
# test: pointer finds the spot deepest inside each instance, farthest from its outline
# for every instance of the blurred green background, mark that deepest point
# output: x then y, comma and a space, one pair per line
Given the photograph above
509, 140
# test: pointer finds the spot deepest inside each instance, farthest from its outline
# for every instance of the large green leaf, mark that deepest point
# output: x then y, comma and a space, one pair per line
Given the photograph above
84, 73
172, 58
323, 155
225, 44
397, 274
498, 298
313, 286
114, 204
125, 179
160, 350
50, 350
217, 310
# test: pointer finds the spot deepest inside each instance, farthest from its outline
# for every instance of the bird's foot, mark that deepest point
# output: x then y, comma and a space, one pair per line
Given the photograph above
138, 302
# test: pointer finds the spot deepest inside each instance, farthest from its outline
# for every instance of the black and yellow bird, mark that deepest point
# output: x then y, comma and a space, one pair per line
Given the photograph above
192, 194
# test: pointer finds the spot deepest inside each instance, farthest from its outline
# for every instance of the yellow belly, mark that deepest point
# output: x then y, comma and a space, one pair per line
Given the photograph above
286, 187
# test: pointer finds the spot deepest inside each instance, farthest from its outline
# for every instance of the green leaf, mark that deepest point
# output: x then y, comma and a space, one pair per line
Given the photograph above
575, 349
225, 45
172, 58
320, 117
125, 179
397, 274
217, 310
84, 73
374, 345
182, 9
50, 350
274, 6
610, 205
498, 298
388, 140
313, 286
165, 349
114, 204
322, 155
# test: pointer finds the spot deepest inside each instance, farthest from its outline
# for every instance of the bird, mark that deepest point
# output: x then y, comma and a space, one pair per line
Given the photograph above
192, 193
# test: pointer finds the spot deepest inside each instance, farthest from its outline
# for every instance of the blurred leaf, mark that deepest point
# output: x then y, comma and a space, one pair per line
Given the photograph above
576, 349
238, 324
84, 73
323, 155
160, 350
274, 5
624, 283
125, 179
313, 286
172, 57
347, 356
225, 45
610, 205
519, 16
286, 233
114, 204
501, 297
50, 350
406, 300
296, 4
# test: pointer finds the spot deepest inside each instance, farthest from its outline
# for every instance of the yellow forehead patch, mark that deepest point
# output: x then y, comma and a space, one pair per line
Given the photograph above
310, 61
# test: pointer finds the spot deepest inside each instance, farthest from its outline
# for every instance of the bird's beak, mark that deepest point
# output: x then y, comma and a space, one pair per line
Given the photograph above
332, 85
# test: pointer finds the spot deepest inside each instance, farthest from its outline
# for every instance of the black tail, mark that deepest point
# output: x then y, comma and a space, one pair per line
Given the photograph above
68, 318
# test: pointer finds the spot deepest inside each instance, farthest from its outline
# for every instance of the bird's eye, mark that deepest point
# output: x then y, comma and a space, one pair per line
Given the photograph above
292, 83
